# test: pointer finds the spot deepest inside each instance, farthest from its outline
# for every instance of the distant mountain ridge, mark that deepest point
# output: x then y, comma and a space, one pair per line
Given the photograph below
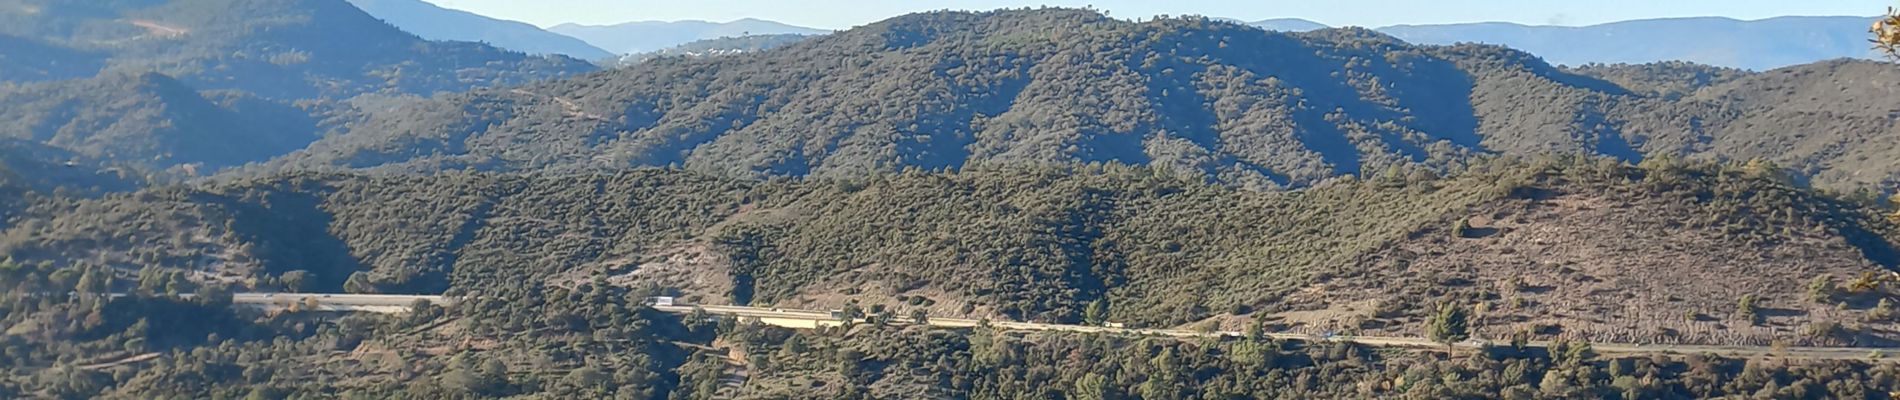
193, 86
1236, 104
1757, 45
1289, 25
717, 47
437, 23
649, 36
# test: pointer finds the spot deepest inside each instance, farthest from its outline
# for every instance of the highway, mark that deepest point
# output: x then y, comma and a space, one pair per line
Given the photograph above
811, 318
376, 303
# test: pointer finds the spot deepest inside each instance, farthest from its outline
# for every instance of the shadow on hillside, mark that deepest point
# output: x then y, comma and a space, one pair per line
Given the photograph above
1873, 247
289, 232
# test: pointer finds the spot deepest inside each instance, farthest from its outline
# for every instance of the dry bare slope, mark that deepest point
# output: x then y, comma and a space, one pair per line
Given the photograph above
1578, 258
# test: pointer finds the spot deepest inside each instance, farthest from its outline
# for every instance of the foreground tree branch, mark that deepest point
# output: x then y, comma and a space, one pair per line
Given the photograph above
1887, 34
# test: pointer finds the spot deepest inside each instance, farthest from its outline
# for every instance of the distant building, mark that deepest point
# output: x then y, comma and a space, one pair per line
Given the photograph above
663, 301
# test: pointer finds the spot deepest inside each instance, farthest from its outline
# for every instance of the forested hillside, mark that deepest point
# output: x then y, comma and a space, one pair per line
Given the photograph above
188, 87
599, 341
1150, 247
1240, 105
556, 268
438, 23
27, 60
716, 47
280, 49
1755, 44
153, 120
1047, 165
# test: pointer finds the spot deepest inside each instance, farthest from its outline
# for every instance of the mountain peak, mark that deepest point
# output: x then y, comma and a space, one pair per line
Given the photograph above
439, 23
648, 36
1748, 44
1289, 25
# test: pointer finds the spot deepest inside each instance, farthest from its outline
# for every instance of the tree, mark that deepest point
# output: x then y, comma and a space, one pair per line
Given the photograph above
294, 281
1867, 282
359, 282
1887, 34
1821, 290
1096, 313
214, 296
1885, 311
1451, 325
851, 312
920, 317
1257, 331
94, 281
1746, 308
1093, 387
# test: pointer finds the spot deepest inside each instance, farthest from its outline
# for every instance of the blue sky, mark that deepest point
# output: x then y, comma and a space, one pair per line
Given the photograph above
840, 14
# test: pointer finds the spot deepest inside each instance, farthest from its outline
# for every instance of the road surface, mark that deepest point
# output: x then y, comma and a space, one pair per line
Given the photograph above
400, 304
376, 303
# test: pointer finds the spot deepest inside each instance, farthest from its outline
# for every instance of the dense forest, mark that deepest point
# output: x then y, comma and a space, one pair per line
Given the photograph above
1243, 106
183, 88
1549, 245
1040, 165
596, 340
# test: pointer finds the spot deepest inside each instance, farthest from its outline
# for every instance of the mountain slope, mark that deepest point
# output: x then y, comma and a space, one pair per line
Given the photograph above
717, 47
951, 89
187, 87
1044, 243
648, 36
152, 119
1755, 45
280, 49
26, 60
436, 23
1237, 104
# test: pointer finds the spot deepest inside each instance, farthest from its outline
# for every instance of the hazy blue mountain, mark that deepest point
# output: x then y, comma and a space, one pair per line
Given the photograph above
1289, 25
647, 36
187, 87
1757, 45
28, 60
279, 49
436, 23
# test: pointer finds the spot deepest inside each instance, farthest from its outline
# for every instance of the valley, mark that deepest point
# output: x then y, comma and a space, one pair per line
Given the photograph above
317, 199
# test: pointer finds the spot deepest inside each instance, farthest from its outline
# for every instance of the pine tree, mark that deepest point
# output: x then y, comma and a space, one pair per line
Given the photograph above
1097, 312
1451, 325
1746, 309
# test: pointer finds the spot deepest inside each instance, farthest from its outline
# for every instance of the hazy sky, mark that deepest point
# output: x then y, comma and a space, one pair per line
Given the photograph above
840, 14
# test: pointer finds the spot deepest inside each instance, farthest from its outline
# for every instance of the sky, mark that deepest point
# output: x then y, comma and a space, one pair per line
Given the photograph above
843, 14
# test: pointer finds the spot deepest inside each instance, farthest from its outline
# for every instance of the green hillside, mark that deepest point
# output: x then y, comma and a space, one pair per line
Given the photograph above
1242, 106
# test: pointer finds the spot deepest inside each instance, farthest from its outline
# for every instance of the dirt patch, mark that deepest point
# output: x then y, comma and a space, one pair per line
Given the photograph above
1335, 317
869, 293
700, 274
156, 29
